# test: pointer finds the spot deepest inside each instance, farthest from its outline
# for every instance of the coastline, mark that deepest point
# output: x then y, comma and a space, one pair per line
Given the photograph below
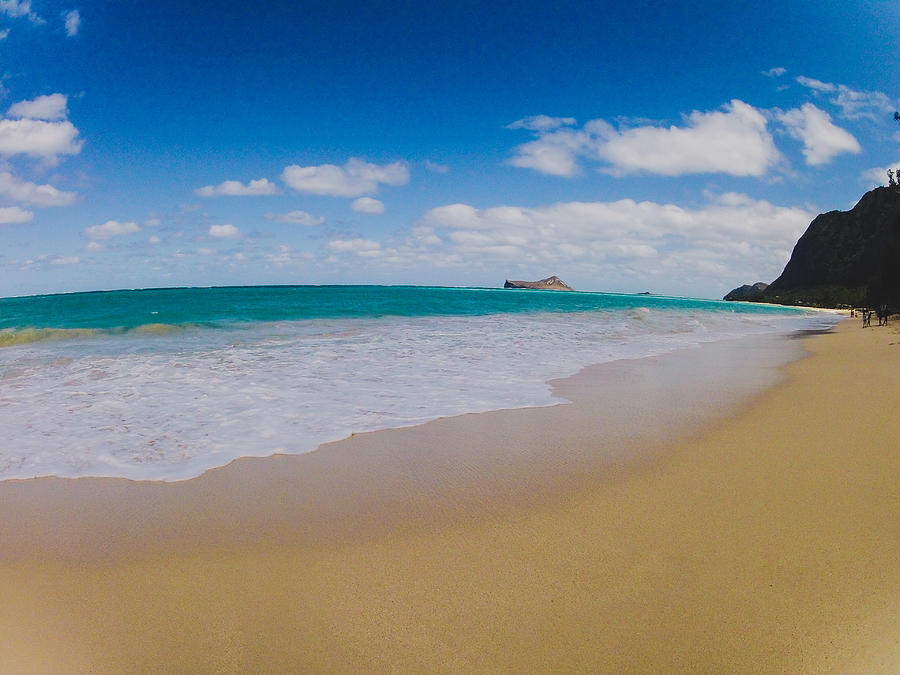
747, 526
136, 400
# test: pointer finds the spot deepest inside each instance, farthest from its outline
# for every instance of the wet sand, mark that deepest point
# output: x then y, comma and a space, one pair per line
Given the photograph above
677, 516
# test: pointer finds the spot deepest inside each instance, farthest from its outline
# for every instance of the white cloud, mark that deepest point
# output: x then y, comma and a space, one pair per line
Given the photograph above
822, 139
354, 179
367, 205
234, 188
45, 259
153, 239
361, 247
224, 231
73, 22
853, 104
95, 246
552, 153
818, 85
726, 242
4, 33
111, 228
774, 72
31, 193
296, 218
728, 216
65, 260
541, 123
877, 176
20, 8
436, 167
50, 108
37, 138
424, 236
283, 257
13, 214
624, 245
734, 140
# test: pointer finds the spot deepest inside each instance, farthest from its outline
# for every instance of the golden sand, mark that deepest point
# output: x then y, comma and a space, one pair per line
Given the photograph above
765, 540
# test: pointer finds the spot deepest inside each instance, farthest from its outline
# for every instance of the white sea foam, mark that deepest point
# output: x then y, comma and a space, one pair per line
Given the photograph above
170, 405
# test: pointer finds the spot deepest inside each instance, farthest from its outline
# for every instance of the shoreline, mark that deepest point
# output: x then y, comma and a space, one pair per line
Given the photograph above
306, 367
611, 416
554, 398
704, 546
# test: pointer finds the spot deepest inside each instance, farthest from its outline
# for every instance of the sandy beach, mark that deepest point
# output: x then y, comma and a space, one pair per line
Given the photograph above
672, 518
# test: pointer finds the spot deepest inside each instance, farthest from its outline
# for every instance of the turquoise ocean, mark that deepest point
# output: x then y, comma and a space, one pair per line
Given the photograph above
163, 384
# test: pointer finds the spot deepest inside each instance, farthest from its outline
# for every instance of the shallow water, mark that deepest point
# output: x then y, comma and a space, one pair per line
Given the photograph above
167, 384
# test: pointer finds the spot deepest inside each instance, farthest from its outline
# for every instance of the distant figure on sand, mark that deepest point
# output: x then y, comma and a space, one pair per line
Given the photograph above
867, 318
882, 312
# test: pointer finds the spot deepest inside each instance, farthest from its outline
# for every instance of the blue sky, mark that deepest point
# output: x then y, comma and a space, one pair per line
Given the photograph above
678, 148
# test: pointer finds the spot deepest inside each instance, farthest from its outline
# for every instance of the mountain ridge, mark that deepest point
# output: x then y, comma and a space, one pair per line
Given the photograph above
844, 258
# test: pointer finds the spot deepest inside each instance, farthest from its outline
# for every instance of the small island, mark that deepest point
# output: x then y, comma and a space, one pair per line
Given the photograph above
553, 283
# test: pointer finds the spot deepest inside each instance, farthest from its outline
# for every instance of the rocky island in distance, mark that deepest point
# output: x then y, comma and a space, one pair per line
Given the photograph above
747, 291
553, 283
